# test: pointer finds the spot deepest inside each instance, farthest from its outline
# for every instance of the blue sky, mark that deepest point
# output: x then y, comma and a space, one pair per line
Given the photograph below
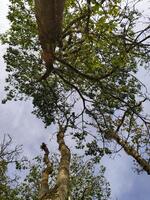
17, 120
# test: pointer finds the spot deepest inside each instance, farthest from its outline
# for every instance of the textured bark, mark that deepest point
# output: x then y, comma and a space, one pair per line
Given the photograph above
63, 173
49, 16
61, 189
44, 188
131, 151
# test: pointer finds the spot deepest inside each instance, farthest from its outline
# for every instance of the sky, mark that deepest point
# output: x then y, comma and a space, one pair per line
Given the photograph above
16, 119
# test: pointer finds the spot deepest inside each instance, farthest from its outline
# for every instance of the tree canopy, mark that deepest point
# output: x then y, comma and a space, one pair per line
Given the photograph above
93, 82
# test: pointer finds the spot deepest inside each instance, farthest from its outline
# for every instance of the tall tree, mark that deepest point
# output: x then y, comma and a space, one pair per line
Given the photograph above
96, 66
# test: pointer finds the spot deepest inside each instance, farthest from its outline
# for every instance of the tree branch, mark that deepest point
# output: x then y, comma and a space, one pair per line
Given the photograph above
88, 77
63, 172
131, 151
44, 188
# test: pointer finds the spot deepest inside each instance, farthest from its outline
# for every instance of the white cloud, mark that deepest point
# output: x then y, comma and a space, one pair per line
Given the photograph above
4, 24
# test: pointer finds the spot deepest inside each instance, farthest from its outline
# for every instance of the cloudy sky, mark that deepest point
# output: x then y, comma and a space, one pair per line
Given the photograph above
16, 119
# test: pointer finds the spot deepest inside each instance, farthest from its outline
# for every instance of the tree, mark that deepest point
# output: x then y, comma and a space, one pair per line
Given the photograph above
83, 183
95, 66
8, 156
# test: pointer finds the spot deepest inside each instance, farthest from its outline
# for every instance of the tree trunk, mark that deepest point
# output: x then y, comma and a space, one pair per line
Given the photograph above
49, 16
63, 173
61, 189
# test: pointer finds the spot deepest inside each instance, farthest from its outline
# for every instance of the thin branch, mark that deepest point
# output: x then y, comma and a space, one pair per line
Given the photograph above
73, 86
65, 32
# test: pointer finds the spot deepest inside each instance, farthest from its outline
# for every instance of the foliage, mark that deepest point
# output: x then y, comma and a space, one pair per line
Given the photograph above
9, 156
94, 78
83, 182
86, 185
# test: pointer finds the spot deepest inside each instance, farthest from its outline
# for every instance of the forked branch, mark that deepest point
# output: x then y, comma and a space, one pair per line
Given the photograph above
61, 189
